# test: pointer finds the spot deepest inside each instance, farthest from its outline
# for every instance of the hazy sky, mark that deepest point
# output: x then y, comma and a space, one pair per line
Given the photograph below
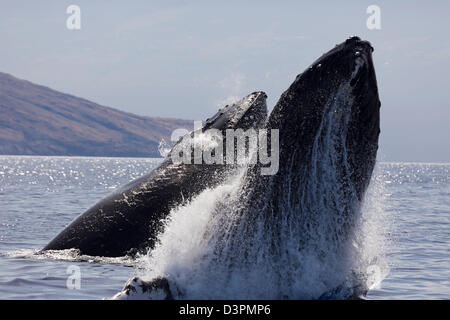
184, 59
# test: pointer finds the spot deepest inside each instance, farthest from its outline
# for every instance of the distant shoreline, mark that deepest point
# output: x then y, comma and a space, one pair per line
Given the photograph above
38, 120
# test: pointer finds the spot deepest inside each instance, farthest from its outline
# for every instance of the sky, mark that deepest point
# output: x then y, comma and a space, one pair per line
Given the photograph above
185, 59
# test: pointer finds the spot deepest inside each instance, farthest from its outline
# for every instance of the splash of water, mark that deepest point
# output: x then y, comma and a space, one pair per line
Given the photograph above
164, 148
71, 255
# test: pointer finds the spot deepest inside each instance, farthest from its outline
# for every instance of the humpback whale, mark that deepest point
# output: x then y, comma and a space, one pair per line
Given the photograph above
128, 220
291, 235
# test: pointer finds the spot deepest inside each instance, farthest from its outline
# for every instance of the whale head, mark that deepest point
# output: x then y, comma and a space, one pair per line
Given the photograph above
249, 112
329, 117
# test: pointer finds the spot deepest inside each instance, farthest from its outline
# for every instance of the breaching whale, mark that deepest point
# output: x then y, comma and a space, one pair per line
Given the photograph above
128, 220
291, 235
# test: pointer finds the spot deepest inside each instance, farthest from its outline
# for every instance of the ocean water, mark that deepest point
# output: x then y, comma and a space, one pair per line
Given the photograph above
41, 195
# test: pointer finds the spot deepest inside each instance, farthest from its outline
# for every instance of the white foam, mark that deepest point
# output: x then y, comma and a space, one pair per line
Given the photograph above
164, 148
72, 255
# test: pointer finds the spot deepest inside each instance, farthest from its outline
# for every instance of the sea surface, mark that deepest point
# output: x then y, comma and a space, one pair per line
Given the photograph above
39, 196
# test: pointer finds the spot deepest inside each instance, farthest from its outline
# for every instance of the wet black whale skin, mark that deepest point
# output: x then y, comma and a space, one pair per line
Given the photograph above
129, 220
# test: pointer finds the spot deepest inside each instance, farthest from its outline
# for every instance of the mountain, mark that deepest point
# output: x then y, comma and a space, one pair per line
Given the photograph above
36, 120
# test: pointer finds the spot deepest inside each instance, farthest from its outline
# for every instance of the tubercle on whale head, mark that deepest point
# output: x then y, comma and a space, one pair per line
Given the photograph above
249, 112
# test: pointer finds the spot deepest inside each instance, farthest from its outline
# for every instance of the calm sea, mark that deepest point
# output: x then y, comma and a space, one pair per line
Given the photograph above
41, 195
